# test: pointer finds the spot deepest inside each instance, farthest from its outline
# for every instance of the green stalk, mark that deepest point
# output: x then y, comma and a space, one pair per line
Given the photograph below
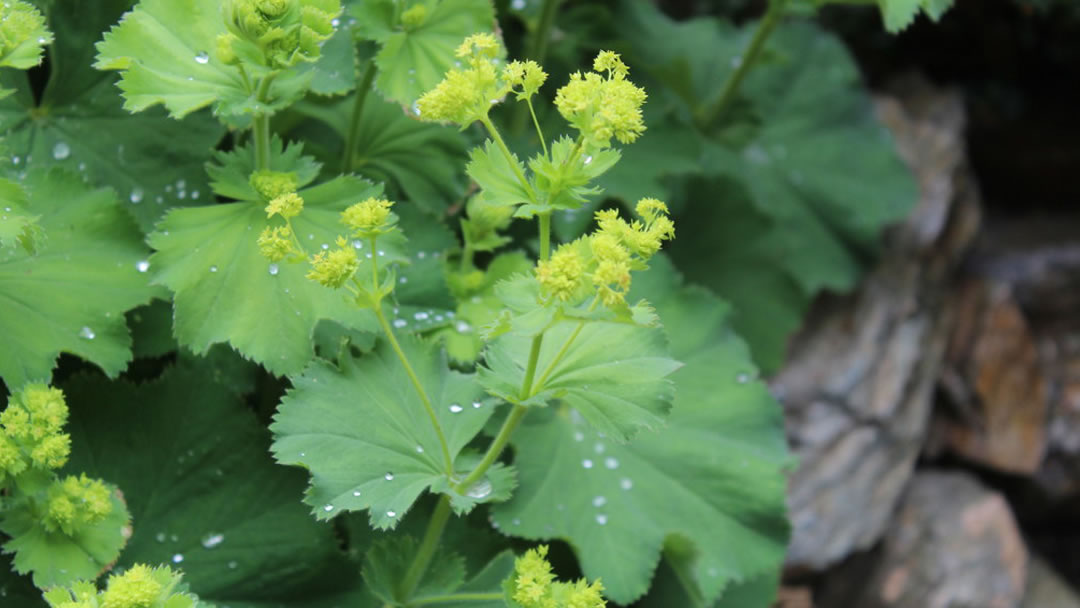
458, 597
545, 235
706, 115
496, 447
408, 366
426, 551
353, 133
260, 125
536, 123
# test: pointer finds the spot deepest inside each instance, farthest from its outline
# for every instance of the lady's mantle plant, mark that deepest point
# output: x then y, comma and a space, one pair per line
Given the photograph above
514, 358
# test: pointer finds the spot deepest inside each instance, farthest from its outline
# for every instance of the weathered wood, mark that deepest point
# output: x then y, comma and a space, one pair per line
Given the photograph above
858, 385
953, 544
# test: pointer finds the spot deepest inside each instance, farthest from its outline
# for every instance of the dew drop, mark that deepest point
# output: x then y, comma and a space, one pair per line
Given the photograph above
194, 195
462, 327
518, 5
403, 280
87, 333
233, 565
599, 448
579, 436
391, 514
335, 22
599, 501
328, 508
611, 463
142, 265
400, 323
325, 246
358, 244
389, 477
742, 378
136, 196
421, 255
588, 159
212, 540
588, 464
174, 538
626, 483
273, 269
356, 493
203, 57
419, 449
61, 151
455, 408
421, 316
160, 537
476, 405
516, 522
601, 519
736, 61
480, 489
213, 269
177, 558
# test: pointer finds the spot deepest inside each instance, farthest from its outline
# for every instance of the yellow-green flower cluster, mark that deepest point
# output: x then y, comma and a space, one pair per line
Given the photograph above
534, 585
31, 431
22, 33
287, 206
603, 260
465, 96
525, 74
273, 184
75, 502
276, 34
276, 243
370, 217
603, 106
334, 267
139, 587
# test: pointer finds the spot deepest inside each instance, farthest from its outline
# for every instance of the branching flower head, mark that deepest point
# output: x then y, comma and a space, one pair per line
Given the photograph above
276, 243
369, 218
31, 433
76, 502
465, 95
563, 275
528, 75
334, 267
603, 106
272, 184
533, 585
287, 206
138, 587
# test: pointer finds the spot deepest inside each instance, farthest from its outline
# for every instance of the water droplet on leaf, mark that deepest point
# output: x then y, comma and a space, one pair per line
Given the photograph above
272, 269
87, 333
203, 57
61, 151
212, 540
480, 489
455, 408
142, 265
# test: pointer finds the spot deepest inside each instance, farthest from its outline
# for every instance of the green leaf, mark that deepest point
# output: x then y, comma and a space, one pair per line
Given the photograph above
18, 590
178, 67
227, 292
413, 60
365, 435
17, 227
334, 73
387, 562
33, 35
612, 373
819, 165
420, 161
496, 175
712, 476
204, 495
79, 123
72, 295
54, 558
899, 14
566, 177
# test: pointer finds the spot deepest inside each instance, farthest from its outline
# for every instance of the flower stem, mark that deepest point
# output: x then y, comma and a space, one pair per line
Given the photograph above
392, 339
354, 121
536, 123
426, 551
495, 449
708, 114
545, 235
260, 124
457, 597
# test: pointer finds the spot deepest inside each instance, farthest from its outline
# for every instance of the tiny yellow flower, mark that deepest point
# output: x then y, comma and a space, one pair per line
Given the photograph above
368, 217
534, 576
11, 459
275, 243
651, 208
602, 108
333, 268
52, 452
76, 501
525, 74
612, 63
465, 96
136, 588
563, 274
478, 46
287, 206
272, 184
